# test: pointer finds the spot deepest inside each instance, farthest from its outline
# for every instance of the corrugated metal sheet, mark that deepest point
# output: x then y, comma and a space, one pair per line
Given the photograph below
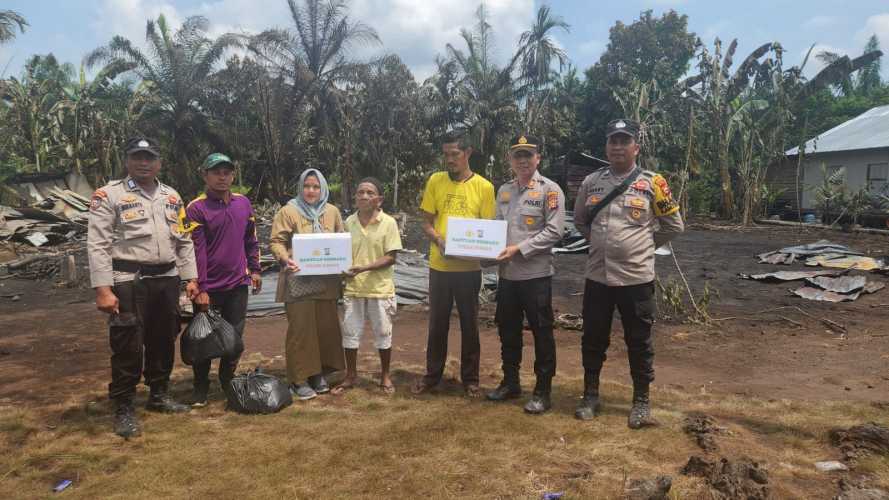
869, 130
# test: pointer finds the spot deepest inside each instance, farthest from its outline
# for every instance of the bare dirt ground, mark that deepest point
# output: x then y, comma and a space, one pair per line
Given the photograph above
768, 368
53, 342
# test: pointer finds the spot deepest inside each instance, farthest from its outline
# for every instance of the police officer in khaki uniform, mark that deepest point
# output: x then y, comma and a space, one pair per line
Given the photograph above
138, 253
623, 235
534, 208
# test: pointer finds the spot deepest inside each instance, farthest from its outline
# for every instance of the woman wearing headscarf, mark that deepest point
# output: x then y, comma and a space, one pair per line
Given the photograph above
314, 341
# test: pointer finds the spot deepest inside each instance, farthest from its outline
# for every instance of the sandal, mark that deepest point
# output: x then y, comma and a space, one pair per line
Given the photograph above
342, 388
388, 389
472, 391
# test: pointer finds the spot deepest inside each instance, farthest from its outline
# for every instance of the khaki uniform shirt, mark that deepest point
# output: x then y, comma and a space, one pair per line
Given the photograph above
535, 217
289, 221
625, 234
128, 224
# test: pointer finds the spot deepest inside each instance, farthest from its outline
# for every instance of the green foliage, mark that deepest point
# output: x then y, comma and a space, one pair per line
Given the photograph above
651, 49
297, 98
857, 203
830, 194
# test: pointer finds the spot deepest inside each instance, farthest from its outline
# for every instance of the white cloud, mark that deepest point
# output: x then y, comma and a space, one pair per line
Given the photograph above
419, 30
818, 22
875, 25
416, 30
129, 17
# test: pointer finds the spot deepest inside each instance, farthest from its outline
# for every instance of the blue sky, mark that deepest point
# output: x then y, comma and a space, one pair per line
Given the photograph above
417, 30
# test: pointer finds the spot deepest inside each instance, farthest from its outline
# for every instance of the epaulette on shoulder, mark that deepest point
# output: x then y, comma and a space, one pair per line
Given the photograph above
649, 174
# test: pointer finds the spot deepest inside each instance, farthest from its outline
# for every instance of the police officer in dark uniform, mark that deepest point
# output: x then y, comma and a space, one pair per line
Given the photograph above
138, 253
626, 213
534, 208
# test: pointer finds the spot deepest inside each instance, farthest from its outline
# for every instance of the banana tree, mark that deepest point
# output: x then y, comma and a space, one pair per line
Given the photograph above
29, 120
85, 128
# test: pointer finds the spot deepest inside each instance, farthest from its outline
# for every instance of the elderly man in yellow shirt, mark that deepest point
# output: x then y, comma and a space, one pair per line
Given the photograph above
370, 285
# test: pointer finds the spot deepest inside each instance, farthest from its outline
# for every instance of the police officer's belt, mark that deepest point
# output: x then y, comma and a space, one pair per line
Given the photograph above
619, 190
129, 266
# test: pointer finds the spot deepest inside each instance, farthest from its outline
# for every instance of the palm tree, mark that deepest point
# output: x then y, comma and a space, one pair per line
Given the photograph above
538, 53
486, 94
176, 69
313, 56
9, 21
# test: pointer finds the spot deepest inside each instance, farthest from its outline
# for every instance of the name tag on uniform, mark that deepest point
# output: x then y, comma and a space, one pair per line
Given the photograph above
637, 203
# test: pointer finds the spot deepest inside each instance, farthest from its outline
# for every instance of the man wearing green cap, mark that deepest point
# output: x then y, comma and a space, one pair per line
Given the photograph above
223, 231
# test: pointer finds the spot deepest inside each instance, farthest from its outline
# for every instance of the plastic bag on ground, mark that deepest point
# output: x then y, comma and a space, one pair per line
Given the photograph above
258, 392
209, 336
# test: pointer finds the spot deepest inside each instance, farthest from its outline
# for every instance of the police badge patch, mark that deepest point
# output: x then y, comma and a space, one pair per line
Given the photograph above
552, 200
97, 198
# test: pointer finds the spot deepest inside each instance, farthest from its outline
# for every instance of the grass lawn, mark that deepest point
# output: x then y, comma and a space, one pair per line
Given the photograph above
367, 445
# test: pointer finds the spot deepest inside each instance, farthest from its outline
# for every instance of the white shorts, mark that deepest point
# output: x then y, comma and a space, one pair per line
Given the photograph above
380, 313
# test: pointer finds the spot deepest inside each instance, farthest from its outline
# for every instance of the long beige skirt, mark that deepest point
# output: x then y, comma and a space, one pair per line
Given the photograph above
314, 342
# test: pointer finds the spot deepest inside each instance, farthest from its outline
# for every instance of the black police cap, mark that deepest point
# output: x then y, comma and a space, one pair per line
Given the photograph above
622, 126
142, 143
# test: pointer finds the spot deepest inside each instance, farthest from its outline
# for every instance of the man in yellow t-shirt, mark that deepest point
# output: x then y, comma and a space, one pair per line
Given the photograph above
370, 284
458, 192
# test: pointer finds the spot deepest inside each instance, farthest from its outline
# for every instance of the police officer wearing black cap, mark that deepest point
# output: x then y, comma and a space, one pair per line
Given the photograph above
138, 254
534, 208
626, 213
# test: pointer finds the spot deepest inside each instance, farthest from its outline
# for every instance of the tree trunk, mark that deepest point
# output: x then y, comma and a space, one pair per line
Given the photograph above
346, 175
728, 198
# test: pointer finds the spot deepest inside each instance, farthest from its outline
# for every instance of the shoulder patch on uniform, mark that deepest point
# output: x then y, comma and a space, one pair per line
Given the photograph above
552, 200
96, 200
662, 183
505, 196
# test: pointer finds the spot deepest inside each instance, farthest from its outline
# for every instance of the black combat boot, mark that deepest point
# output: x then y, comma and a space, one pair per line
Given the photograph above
509, 388
589, 404
160, 400
640, 413
540, 402
126, 425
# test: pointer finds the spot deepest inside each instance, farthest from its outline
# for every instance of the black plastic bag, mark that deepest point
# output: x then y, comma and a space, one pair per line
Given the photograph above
209, 336
257, 392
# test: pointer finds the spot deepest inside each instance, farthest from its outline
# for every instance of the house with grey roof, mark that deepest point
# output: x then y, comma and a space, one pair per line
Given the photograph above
857, 149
